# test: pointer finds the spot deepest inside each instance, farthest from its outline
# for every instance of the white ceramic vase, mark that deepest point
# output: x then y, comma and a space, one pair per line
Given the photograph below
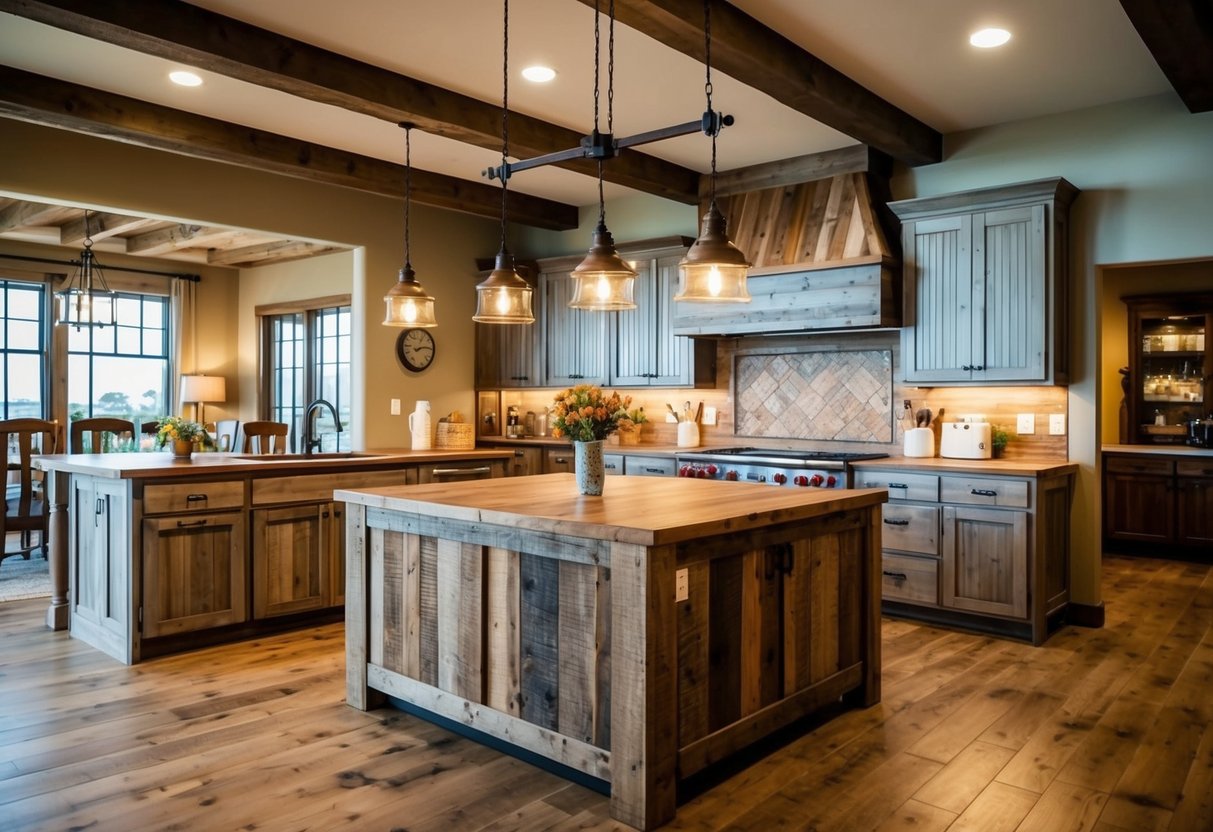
588, 468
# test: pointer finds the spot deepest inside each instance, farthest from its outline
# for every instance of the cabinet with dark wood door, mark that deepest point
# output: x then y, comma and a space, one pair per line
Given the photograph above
1138, 498
1194, 502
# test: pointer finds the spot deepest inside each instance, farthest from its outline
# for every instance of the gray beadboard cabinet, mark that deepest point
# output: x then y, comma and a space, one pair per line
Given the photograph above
985, 277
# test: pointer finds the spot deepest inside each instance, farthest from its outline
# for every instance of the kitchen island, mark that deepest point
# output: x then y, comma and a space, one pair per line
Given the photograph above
151, 554
634, 638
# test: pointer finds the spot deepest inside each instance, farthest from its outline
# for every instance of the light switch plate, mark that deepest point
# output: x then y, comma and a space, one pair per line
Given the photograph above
1025, 423
395, 407
682, 585
709, 415
1057, 424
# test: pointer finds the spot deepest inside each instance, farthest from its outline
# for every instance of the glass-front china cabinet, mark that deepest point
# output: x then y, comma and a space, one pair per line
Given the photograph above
1170, 366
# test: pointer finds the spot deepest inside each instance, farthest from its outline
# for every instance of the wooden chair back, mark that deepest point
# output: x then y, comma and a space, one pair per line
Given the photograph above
150, 428
25, 508
93, 429
269, 437
225, 434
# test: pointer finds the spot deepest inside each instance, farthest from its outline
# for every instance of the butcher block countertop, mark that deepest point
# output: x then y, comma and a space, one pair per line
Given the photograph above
1016, 468
161, 465
649, 511
1159, 450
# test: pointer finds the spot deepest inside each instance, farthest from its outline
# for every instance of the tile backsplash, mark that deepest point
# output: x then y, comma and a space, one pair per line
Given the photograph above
828, 395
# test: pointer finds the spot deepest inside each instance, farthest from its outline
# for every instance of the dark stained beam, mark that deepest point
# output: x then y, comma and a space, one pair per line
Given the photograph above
48, 101
760, 57
192, 35
1179, 34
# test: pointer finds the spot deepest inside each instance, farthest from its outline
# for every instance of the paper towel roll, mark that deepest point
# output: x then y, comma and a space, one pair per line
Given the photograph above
920, 442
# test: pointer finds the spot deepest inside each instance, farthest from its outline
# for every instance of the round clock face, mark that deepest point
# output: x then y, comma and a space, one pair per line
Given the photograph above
415, 349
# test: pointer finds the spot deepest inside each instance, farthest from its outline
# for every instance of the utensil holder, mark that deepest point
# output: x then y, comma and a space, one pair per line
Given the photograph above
920, 442
688, 434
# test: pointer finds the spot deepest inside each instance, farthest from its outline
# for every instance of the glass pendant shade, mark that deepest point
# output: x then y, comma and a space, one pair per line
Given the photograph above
407, 303
504, 297
603, 280
713, 270
86, 300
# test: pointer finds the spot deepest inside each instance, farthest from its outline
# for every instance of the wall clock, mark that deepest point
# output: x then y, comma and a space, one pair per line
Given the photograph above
415, 349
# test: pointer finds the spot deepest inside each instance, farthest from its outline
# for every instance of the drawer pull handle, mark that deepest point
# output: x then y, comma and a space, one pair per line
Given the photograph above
610, 466
897, 576
194, 498
562, 460
460, 472
898, 485
654, 470
983, 492
519, 453
897, 522
181, 524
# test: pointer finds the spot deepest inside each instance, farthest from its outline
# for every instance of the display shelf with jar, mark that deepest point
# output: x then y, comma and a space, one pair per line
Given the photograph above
1170, 365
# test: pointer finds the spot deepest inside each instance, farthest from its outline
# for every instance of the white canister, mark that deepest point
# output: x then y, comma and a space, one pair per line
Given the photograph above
920, 442
420, 427
688, 434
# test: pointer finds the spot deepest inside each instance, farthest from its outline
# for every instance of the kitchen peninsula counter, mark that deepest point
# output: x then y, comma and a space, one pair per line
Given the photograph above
636, 638
151, 554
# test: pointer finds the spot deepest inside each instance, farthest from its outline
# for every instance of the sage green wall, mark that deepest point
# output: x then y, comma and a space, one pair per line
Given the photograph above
82, 170
1145, 169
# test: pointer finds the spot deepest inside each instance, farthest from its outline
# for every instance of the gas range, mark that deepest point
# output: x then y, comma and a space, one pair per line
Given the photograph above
773, 466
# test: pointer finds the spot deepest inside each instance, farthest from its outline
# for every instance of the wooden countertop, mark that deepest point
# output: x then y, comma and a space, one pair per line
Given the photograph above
649, 511
160, 465
1017, 468
550, 442
1158, 450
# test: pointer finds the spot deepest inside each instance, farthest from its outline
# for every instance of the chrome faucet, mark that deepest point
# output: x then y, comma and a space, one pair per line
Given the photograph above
309, 443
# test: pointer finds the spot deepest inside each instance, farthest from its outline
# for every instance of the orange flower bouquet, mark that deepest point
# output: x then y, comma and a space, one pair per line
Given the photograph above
584, 414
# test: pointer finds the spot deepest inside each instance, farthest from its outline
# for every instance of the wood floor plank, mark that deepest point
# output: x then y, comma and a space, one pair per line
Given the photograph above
1112, 728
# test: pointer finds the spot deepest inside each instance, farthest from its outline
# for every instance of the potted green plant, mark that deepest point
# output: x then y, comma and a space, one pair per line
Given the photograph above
999, 437
179, 434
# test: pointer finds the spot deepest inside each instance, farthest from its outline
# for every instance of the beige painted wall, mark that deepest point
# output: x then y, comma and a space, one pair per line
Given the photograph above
1145, 169
1122, 281
38, 162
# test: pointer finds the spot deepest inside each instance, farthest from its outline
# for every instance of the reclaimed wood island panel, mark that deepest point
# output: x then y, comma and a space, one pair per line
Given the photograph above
635, 638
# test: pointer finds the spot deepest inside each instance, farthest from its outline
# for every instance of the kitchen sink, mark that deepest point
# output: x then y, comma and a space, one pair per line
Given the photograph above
316, 456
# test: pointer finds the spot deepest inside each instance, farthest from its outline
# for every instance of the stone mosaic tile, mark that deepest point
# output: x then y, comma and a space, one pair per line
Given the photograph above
842, 396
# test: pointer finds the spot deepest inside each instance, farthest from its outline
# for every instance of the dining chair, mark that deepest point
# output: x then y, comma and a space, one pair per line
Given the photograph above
94, 429
225, 434
270, 437
25, 509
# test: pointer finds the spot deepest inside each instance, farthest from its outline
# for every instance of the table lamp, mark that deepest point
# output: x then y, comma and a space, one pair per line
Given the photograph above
203, 388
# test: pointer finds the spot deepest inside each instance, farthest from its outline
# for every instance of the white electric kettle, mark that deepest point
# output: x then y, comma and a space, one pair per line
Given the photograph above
420, 427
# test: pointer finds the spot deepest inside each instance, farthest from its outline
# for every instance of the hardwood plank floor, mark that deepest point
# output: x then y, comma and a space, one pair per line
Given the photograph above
1107, 730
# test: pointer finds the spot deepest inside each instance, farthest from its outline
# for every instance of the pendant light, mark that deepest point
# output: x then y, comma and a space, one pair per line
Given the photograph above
87, 299
408, 305
504, 297
713, 270
603, 280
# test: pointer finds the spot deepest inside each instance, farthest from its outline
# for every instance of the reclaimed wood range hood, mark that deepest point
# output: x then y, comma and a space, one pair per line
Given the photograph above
821, 262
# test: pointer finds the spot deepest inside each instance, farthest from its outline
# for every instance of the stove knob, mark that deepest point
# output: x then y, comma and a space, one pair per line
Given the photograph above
712, 469
684, 471
831, 481
731, 476
801, 479
816, 480
701, 473
780, 478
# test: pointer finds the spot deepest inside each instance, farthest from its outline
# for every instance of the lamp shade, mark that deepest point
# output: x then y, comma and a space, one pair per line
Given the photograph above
408, 305
504, 297
713, 270
199, 388
603, 280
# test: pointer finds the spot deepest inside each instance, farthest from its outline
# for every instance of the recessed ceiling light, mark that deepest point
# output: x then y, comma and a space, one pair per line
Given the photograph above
184, 78
539, 74
989, 38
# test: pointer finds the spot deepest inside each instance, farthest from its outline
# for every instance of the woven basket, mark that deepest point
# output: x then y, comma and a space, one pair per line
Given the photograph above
629, 437
456, 436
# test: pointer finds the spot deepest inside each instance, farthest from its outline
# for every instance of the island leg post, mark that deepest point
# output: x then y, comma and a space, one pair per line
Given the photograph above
644, 714
57, 488
871, 618
357, 607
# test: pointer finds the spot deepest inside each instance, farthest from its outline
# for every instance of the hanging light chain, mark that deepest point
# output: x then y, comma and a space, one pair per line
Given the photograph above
611, 71
408, 191
505, 116
597, 52
707, 89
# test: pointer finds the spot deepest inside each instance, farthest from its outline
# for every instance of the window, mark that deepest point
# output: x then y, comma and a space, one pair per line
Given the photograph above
122, 370
307, 358
23, 345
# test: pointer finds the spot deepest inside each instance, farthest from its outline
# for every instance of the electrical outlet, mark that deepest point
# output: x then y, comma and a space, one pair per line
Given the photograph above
1057, 424
395, 407
1025, 423
682, 585
709, 415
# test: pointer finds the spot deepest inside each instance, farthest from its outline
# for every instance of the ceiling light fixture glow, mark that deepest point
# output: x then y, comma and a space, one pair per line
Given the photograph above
185, 78
989, 38
539, 74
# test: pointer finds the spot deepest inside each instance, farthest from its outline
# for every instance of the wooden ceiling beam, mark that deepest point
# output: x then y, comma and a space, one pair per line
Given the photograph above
49, 101
21, 214
1179, 34
759, 57
247, 255
174, 237
100, 226
196, 36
